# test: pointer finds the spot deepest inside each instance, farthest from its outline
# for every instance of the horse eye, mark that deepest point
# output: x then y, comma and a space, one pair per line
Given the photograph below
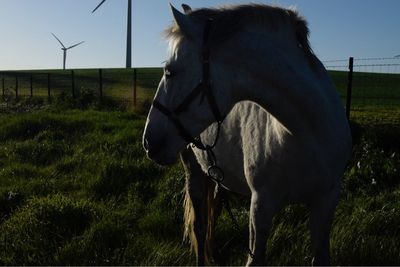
168, 72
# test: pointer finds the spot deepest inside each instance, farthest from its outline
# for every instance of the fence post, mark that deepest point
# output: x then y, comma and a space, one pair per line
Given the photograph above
134, 86
101, 83
349, 87
31, 84
3, 83
73, 83
16, 86
48, 86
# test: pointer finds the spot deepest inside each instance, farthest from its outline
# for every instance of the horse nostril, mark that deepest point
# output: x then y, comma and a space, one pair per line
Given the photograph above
146, 144
153, 147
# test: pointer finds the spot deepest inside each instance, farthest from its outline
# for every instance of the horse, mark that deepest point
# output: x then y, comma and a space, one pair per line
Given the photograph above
244, 88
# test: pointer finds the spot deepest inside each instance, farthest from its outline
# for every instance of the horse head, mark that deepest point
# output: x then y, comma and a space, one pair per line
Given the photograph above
186, 102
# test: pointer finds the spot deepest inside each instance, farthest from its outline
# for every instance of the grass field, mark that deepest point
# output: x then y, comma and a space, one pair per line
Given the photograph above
77, 189
116, 83
374, 91
371, 91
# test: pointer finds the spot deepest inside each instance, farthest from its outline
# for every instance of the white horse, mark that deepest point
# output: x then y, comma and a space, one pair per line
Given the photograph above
292, 146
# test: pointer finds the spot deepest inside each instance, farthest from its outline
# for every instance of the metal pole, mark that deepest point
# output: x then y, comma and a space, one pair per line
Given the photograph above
349, 87
129, 36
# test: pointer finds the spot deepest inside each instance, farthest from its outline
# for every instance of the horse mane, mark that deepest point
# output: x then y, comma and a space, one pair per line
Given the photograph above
228, 20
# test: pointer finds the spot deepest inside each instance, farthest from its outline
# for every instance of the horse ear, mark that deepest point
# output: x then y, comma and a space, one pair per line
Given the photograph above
184, 22
186, 8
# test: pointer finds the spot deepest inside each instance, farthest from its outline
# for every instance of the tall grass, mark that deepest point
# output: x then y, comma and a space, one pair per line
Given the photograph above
77, 189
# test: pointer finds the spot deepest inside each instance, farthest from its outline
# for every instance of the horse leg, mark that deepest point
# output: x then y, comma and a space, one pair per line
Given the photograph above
201, 209
207, 212
322, 212
200, 230
262, 210
215, 207
195, 201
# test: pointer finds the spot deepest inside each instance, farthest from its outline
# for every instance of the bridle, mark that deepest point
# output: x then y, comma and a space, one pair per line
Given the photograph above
204, 89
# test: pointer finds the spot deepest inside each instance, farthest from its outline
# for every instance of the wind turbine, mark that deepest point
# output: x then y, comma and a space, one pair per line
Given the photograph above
64, 49
128, 33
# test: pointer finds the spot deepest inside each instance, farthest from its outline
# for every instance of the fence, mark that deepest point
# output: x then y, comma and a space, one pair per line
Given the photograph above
367, 85
364, 84
129, 86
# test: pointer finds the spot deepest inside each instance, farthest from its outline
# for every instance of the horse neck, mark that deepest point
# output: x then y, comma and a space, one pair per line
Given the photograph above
277, 75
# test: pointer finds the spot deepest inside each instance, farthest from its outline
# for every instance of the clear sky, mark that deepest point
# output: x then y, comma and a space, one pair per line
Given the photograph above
339, 29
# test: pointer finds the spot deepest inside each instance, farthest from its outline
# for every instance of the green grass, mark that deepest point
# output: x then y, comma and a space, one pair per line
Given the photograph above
77, 189
117, 83
371, 91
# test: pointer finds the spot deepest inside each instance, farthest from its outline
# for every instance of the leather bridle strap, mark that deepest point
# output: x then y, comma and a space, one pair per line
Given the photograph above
204, 88
178, 125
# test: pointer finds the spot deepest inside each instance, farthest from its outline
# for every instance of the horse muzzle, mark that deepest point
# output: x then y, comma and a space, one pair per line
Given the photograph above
157, 151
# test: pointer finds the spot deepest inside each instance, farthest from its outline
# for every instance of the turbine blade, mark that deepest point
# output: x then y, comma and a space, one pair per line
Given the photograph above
72, 46
98, 6
58, 40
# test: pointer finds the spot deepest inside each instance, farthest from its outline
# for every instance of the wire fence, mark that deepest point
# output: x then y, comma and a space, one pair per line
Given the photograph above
131, 87
370, 65
375, 84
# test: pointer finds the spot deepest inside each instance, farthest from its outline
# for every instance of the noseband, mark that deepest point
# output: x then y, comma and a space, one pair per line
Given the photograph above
204, 89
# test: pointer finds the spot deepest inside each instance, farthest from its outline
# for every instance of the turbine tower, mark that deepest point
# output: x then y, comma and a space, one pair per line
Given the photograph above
128, 33
64, 49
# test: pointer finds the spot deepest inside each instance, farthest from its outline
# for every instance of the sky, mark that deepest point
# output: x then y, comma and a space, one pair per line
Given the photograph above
339, 29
